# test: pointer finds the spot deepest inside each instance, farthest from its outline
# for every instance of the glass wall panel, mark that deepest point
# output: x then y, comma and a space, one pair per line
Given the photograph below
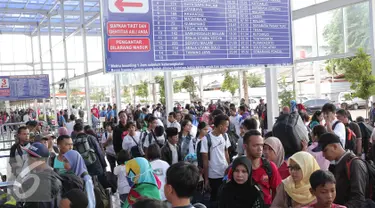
304, 37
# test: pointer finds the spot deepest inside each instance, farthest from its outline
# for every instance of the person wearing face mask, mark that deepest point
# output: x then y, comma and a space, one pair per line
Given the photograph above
294, 191
142, 180
240, 191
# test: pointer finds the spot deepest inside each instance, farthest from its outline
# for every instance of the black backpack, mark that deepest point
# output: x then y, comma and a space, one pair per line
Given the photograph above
81, 144
350, 137
370, 194
71, 181
209, 144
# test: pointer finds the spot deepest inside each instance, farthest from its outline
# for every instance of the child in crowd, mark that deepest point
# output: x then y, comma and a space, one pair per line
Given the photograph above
323, 187
181, 183
123, 187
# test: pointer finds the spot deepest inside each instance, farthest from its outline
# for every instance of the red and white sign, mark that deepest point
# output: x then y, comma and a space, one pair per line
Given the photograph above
4, 83
129, 45
128, 6
128, 28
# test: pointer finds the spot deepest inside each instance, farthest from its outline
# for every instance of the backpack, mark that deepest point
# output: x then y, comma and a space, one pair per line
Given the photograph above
136, 151
82, 145
350, 137
233, 138
209, 144
71, 181
291, 130
371, 174
151, 136
101, 197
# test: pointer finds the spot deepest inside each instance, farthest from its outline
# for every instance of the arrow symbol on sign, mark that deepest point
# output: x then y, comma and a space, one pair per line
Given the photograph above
120, 4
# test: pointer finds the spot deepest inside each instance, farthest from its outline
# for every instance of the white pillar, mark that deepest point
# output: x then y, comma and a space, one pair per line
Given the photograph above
240, 83
168, 87
372, 35
62, 13
272, 96
200, 85
118, 92
52, 68
33, 62
85, 62
294, 77
41, 72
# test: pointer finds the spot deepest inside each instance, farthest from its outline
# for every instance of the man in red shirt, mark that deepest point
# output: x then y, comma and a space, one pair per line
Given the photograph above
95, 111
265, 173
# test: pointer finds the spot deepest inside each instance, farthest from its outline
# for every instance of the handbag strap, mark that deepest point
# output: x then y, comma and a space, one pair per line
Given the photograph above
133, 139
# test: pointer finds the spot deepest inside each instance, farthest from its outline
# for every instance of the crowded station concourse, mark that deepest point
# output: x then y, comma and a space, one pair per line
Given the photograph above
187, 104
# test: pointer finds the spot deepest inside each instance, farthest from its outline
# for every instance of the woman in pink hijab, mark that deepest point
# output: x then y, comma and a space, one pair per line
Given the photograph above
273, 150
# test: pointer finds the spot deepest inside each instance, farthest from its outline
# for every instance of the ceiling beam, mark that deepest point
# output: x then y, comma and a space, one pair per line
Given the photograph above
41, 12
56, 24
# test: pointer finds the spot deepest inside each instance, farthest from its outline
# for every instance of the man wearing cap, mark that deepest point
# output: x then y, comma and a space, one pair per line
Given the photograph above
47, 186
352, 184
95, 111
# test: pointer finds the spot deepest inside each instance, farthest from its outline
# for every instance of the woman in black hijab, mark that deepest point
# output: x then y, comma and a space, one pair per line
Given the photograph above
240, 192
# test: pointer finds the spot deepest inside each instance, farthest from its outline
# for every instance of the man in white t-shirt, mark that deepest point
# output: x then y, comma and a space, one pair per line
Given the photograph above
172, 121
215, 155
69, 125
159, 166
332, 124
150, 136
132, 138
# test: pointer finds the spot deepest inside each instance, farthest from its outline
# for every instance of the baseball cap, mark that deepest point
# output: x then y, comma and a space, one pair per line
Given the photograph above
326, 139
37, 150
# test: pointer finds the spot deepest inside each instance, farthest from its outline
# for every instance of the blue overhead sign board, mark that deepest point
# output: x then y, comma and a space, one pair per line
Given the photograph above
190, 34
26, 87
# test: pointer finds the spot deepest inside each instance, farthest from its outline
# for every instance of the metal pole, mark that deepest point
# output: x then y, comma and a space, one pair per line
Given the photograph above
168, 91
200, 85
372, 35
52, 69
65, 56
33, 63
41, 72
294, 77
85, 62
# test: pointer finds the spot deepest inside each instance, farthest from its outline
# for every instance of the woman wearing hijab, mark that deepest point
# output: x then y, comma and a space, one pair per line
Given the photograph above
294, 191
74, 163
273, 151
142, 180
240, 192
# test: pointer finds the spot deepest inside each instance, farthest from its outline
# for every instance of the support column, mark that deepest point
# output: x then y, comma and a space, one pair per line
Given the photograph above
41, 72
272, 96
168, 87
240, 83
52, 69
33, 62
372, 36
154, 93
62, 13
294, 77
85, 62
118, 92
200, 86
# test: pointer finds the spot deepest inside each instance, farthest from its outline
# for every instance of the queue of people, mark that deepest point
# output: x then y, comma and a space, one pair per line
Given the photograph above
220, 158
